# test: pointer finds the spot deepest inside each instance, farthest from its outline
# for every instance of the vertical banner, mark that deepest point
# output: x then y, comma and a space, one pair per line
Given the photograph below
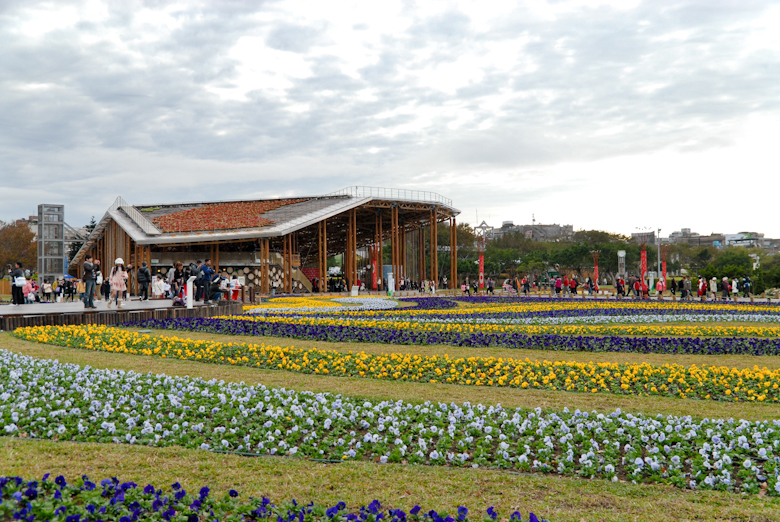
663, 271
481, 270
644, 264
374, 275
596, 276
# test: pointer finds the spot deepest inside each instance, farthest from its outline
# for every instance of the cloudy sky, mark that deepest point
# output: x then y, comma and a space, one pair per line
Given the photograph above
610, 114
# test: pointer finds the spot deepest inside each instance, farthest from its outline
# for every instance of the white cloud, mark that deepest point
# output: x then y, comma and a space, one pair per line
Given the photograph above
604, 114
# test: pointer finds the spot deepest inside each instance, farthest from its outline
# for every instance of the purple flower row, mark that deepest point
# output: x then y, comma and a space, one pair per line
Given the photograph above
487, 299
345, 333
116, 501
427, 303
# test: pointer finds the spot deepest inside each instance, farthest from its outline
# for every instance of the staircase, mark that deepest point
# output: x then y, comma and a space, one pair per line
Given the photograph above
297, 274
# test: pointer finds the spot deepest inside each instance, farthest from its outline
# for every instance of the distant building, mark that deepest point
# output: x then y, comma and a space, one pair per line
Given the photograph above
535, 231
685, 236
745, 239
32, 224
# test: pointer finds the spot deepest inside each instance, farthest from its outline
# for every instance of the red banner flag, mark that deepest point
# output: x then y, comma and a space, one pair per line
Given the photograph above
481, 270
663, 271
374, 275
644, 264
596, 277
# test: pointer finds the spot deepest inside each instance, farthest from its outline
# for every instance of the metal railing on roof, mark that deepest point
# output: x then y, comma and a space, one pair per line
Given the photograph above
294, 210
143, 223
390, 193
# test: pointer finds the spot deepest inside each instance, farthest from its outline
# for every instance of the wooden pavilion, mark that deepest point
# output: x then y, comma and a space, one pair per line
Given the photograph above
285, 243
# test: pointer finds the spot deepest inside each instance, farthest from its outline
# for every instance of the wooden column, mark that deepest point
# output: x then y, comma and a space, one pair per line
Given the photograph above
216, 255
352, 249
380, 244
264, 278
421, 252
434, 253
346, 257
453, 254
285, 261
322, 241
403, 249
137, 265
288, 275
395, 244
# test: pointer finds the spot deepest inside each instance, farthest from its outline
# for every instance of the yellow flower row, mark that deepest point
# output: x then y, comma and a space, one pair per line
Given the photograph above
656, 330
546, 305
705, 382
294, 302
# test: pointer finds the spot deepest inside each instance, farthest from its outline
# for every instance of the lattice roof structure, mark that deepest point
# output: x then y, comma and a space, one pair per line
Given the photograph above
354, 218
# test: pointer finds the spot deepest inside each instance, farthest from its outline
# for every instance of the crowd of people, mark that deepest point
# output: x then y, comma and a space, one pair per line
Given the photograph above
212, 286
113, 287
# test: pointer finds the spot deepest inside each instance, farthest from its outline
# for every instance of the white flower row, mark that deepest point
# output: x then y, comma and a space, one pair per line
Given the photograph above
47, 399
361, 304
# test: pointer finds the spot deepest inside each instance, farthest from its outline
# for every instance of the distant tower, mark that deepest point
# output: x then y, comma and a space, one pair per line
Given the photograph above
51, 242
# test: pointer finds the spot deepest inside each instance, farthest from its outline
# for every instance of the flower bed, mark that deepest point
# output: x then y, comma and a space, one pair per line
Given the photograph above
114, 500
702, 382
425, 303
47, 399
462, 327
221, 216
302, 304
283, 327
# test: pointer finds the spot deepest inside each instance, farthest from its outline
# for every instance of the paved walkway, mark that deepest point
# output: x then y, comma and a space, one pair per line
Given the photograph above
78, 306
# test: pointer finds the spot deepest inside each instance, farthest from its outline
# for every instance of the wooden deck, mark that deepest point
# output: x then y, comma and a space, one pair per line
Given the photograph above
58, 314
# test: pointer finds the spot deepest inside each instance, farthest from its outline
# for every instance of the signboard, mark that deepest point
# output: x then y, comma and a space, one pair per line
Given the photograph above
621, 263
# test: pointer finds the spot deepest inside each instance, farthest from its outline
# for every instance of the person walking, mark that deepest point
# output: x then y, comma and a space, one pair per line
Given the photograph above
206, 274
196, 271
714, 288
176, 278
118, 282
659, 289
89, 282
724, 287
673, 286
144, 278
17, 284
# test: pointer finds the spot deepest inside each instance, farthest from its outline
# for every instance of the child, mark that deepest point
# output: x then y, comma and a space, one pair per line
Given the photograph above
118, 282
